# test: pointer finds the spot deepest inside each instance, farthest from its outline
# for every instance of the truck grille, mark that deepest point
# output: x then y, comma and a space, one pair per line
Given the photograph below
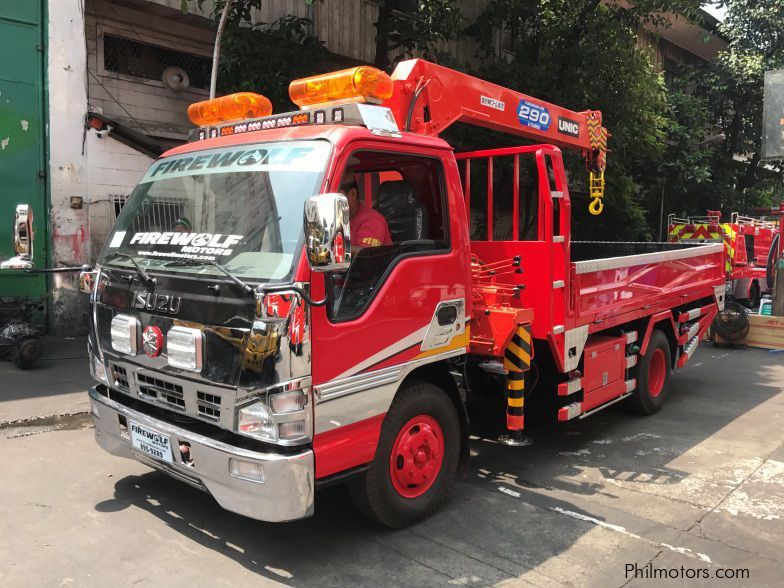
161, 390
120, 377
208, 405
183, 396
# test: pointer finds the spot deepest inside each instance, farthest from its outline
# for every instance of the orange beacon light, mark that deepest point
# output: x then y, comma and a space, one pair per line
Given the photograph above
358, 84
239, 106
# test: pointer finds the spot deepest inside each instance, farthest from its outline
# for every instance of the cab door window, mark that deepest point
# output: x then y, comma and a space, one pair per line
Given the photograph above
398, 209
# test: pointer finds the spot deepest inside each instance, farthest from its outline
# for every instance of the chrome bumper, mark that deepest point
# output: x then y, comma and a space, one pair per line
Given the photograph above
285, 495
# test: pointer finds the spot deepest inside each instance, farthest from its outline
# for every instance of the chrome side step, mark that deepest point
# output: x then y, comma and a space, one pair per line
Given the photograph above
605, 405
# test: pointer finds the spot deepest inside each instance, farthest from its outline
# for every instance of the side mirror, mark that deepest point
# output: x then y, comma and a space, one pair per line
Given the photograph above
23, 239
327, 233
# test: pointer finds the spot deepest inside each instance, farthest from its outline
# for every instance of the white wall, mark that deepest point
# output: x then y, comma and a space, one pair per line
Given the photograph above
112, 169
67, 165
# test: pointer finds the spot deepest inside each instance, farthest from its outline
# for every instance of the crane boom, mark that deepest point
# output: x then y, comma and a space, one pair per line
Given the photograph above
428, 98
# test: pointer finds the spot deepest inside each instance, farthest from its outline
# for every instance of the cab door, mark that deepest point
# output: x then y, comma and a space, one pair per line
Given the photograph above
397, 305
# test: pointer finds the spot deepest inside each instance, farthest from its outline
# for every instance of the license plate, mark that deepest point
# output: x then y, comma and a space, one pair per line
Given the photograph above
151, 442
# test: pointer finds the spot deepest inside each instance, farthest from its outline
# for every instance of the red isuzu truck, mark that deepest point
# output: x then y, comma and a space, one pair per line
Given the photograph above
242, 345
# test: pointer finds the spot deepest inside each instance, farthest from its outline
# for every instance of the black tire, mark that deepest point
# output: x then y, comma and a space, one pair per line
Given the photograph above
27, 352
754, 296
652, 391
374, 492
732, 323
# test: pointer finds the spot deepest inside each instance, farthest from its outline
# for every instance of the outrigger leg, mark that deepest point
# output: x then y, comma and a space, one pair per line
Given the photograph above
517, 361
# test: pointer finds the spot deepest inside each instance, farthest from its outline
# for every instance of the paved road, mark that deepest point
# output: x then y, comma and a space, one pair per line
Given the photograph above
700, 485
54, 386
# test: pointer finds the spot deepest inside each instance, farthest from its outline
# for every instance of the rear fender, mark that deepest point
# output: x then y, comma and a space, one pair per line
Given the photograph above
666, 323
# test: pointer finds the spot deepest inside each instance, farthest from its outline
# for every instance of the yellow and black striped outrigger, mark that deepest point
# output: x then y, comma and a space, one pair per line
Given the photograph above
517, 361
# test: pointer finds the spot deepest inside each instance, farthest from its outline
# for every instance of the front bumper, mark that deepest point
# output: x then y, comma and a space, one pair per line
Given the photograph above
285, 495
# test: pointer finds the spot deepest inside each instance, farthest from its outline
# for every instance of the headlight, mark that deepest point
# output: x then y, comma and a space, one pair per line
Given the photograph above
184, 348
255, 420
124, 334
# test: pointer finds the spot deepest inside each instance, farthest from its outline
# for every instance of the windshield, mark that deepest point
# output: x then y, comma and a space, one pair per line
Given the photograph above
239, 206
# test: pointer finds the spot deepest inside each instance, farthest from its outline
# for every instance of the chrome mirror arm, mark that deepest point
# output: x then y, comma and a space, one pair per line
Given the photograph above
263, 290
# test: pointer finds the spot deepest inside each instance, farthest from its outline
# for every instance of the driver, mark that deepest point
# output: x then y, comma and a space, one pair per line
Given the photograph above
182, 225
368, 226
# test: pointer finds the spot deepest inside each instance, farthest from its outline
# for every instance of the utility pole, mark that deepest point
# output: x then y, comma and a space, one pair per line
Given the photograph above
216, 50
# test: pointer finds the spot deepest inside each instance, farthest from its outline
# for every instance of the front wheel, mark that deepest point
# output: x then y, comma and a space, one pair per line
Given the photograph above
653, 377
416, 459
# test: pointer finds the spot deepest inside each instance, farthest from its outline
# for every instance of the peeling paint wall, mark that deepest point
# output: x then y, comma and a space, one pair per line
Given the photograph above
69, 228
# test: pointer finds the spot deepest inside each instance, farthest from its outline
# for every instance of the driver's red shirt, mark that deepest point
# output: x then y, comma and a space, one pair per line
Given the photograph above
369, 228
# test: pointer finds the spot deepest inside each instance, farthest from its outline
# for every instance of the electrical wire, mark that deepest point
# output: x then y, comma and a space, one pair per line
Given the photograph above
417, 92
133, 118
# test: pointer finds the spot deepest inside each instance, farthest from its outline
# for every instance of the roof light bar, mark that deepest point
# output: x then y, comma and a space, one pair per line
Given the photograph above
358, 84
237, 106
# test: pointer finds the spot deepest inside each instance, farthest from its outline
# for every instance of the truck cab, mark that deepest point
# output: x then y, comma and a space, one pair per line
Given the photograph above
189, 345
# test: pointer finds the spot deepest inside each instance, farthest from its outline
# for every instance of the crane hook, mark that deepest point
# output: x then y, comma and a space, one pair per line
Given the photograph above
596, 206
596, 190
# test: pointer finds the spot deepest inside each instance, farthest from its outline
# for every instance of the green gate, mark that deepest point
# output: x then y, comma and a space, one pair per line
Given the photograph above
22, 140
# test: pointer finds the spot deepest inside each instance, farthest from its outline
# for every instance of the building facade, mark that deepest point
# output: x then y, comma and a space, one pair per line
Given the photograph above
101, 87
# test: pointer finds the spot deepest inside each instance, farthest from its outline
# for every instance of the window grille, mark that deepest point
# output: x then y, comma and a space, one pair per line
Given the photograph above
160, 215
144, 60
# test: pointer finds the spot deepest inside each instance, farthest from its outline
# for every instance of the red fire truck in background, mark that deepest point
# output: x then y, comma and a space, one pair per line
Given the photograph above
243, 347
750, 245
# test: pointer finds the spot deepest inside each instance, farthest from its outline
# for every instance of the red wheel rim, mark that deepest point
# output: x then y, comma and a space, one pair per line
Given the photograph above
657, 369
417, 456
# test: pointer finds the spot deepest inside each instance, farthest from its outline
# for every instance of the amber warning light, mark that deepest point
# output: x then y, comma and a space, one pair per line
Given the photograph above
239, 106
359, 84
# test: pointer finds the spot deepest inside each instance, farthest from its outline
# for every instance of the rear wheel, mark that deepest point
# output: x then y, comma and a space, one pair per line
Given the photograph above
653, 377
27, 352
416, 458
754, 296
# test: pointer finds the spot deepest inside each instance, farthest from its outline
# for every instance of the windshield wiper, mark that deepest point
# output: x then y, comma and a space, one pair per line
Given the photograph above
245, 287
143, 275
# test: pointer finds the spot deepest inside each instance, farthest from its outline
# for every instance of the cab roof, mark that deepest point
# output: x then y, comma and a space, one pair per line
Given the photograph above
338, 135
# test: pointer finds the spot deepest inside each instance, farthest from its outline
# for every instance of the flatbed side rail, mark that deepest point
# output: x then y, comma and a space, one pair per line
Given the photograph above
594, 265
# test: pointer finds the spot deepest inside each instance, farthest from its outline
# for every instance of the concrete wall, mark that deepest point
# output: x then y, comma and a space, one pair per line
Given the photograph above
67, 91
84, 164
145, 105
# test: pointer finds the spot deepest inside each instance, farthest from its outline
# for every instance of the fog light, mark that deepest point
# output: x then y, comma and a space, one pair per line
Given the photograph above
292, 430
287, 402
255, 420
246, 470
184, 348
124, 331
